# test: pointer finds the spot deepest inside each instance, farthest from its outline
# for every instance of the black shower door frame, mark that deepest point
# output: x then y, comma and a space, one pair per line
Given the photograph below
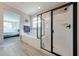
74, 28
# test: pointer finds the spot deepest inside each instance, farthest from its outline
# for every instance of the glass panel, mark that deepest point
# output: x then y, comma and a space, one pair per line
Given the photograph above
46, 31
63, 31
34, 26
43, 27
39, 26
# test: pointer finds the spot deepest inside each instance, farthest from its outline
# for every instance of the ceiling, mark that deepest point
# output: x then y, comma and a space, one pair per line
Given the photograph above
32, 8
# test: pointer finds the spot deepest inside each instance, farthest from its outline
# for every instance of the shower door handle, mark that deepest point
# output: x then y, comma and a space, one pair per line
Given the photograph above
69, 26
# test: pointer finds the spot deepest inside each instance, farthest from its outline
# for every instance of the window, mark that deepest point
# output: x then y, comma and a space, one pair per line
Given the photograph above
10, 27
7, 27
35, 22
11, 22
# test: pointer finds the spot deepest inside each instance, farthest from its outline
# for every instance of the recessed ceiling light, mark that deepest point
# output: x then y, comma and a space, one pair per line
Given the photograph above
38, 7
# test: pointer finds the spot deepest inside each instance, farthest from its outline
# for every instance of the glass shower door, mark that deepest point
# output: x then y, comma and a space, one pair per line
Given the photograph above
63, 31
46, 31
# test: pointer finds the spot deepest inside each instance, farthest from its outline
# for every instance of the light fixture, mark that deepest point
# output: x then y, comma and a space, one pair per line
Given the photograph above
38, 7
